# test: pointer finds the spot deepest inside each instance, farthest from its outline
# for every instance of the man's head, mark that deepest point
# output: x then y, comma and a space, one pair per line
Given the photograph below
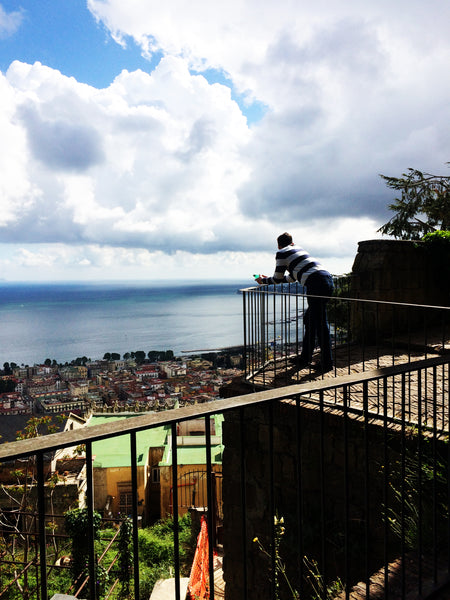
285, 239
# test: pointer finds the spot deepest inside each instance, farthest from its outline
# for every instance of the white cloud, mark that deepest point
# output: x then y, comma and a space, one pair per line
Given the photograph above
347, 86
153, 160
334, 242
161, 173
10, 22
238, 35
16, 191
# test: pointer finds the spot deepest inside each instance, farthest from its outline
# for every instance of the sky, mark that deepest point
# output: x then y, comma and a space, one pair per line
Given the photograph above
177, 140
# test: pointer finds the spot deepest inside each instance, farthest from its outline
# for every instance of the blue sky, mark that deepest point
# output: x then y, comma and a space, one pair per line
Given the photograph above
64, 35
179, 139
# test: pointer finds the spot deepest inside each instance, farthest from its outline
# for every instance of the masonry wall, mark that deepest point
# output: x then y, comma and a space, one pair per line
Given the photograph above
395, 271
58, 500
109, 481
312, 451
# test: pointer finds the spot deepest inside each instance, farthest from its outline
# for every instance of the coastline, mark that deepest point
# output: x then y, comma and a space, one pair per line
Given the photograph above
63, 321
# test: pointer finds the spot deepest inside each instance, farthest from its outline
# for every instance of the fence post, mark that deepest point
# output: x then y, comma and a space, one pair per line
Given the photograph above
41, 520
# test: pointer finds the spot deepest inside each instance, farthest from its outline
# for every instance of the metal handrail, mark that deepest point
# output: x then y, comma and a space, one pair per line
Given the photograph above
273, 331
262, 289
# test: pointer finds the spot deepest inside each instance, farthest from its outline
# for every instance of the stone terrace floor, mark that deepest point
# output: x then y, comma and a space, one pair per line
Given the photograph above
400, 400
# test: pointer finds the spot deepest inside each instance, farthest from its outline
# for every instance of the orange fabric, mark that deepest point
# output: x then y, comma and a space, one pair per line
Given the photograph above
198, 586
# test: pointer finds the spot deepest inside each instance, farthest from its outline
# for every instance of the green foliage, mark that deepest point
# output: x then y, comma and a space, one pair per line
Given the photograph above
149, 575
157, 355
139, 356
419, 506
424, 205
37, 426
76, 523
80, 450
280, 573
438, 239
58, 580
79, 361
23, 590
338, 309
156, 557
313, 577
437, 244
19, 545
111, 356
320, 591
7, 385
156, 551
125, 555
156, 542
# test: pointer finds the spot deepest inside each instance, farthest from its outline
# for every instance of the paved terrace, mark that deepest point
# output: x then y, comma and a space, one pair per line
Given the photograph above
410, 400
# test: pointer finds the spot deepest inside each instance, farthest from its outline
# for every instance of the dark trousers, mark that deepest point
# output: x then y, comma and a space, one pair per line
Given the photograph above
315, 318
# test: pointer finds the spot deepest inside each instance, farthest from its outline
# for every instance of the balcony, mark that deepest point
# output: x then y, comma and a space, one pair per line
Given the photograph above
366, 334
331, 486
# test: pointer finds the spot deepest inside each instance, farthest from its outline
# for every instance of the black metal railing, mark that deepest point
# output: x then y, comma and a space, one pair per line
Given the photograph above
366, 334
362, 488
325, 484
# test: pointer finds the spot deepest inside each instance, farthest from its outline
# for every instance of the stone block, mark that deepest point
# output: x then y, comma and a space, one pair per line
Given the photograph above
64, 597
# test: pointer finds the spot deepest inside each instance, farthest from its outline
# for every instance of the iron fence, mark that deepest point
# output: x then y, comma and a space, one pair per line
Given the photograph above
366, 334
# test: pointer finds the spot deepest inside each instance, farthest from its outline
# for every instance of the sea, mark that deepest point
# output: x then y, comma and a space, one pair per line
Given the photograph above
63, 321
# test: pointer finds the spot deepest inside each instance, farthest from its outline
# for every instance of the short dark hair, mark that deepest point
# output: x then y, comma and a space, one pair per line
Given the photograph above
284, 239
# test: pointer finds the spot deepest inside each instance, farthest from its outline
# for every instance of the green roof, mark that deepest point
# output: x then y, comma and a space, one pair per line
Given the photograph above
192, 455
115, 451
196, 455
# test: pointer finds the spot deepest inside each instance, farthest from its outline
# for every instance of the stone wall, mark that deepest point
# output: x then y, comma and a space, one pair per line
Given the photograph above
321, 494
58, 500
395, 271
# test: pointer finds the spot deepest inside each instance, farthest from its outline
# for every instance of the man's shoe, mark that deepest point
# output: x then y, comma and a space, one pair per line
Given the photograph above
300, 362
319, 368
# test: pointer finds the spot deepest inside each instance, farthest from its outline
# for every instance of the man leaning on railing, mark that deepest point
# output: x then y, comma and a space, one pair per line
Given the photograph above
295, 264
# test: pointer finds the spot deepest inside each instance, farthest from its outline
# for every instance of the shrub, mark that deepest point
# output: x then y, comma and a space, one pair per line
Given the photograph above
438, 245
156, 551
76, 523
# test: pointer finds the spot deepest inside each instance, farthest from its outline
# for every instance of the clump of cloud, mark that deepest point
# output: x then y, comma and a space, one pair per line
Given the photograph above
164, 165
10, 22
151, 161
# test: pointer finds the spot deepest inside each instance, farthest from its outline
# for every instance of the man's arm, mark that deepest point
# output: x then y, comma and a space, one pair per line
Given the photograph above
280, 270
278, 277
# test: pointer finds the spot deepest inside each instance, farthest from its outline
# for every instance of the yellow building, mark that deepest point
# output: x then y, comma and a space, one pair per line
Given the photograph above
192, 471
112, 469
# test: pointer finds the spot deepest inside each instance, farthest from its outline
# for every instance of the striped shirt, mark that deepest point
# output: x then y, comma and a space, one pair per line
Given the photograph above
298, 264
